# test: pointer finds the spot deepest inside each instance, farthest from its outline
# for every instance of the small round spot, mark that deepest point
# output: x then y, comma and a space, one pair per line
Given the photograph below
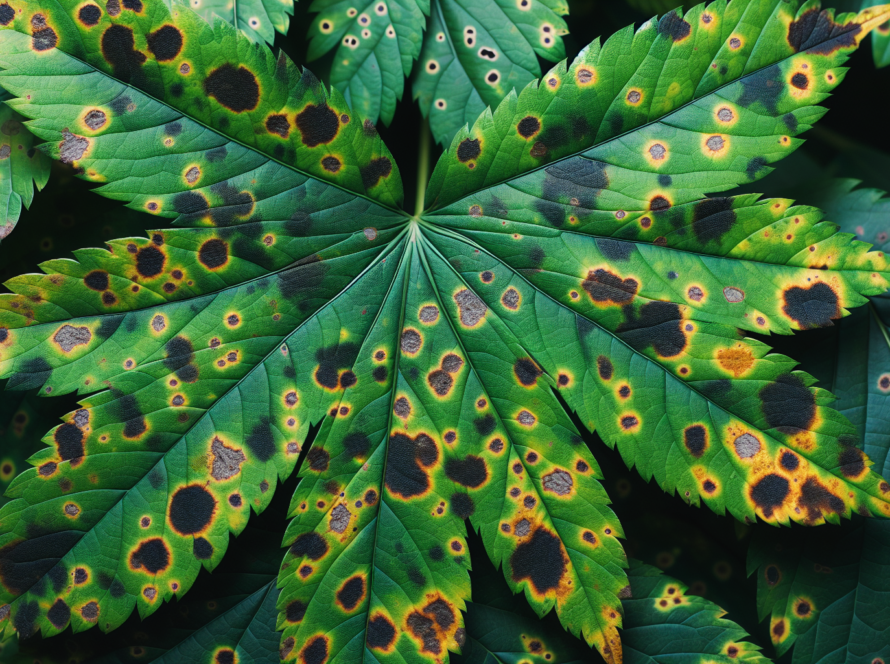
634, 97
432, 67
326, 27
492, 77
735, 43
441, 104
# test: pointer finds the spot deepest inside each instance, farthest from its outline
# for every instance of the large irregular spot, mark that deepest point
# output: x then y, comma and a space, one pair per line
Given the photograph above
318, 124
69, 337
119, 50
712, 218
769, 493
69, 441
311, 544
470, 472
406, 461
811, 307
236, 89
818, 500
191, 509
468, 150
603, 286
657, 325
539, 560
351, 593
381, 633
151, 556
377, 169
788, 404
695, 438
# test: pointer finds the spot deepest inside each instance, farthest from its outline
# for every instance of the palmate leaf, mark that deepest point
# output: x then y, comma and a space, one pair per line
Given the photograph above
475, 52
21, 166
824, 590
293, 294
472, 53
258, 19
663, 622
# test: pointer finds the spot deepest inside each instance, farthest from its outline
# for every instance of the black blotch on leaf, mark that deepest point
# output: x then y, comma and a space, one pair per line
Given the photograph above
769, 493
469, 472
765, 86
278, 124
59, 614
43, 37
695, 438
331, 359
357, 445
214, 253
788, 405
190, 203
816, 32
614, 250
712, 218
422, 629
165, 43
406, 459
800, 81
381, 633
485, 424
202, 549
152, 556
604, 286
540, 561
316, 652
25, 619
318, 459
69, 441
295, 611
604, 367
7, 13
852, 462
260, 442
318, 124
527, 371
376, 169
150, 261
97, 280
674, 27
119, 50
817, 500
812, 307
527, 127
132, 417
191, 509
789, 461
311, 544
351, 592
236, 89
303, 284
468, 149
658, 325
755, 165
462, 505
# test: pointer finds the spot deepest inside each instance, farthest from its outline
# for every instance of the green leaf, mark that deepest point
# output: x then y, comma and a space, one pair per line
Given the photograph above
293, 297
665, 623
471, 53
258, 19
474, 53
825, 590
22, 424
377, 41
21, 167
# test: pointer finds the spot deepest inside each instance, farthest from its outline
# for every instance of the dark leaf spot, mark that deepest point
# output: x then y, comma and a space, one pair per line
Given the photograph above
165, 43
236, 89
191, 509
152, 556
318, 124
